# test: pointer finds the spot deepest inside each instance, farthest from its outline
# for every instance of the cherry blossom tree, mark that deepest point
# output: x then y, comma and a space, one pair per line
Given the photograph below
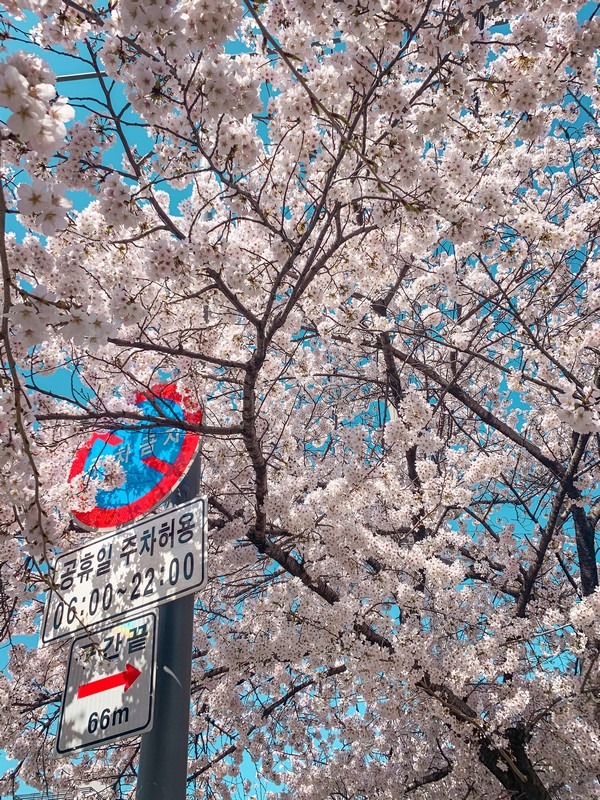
364, 235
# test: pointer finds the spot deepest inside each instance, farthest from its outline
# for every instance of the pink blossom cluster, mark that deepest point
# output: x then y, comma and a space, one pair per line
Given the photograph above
47, 205
37, 116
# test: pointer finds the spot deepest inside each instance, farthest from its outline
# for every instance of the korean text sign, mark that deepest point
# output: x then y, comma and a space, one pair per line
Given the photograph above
110, 685
136, 567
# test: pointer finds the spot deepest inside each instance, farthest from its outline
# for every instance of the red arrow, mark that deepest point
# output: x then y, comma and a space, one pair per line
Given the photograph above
125, 679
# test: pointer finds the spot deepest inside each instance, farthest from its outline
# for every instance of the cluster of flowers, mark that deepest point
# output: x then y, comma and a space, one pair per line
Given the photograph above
581, 410
38, 115
46, 203
37, 121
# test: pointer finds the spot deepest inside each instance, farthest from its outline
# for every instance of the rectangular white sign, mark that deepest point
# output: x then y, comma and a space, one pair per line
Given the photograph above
137, 567
109, 691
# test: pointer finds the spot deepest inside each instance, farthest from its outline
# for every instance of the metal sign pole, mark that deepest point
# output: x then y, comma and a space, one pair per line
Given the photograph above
162, 773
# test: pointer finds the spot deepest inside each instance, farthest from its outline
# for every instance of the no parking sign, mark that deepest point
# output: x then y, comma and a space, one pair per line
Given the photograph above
154, 458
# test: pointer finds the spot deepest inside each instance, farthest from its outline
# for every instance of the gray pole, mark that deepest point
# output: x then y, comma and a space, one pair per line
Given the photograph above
162, 773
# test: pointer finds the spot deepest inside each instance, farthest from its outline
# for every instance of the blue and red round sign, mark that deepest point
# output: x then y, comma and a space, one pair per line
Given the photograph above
153, 457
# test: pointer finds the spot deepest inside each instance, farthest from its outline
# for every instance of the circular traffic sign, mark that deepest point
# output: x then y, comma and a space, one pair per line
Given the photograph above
153, 458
